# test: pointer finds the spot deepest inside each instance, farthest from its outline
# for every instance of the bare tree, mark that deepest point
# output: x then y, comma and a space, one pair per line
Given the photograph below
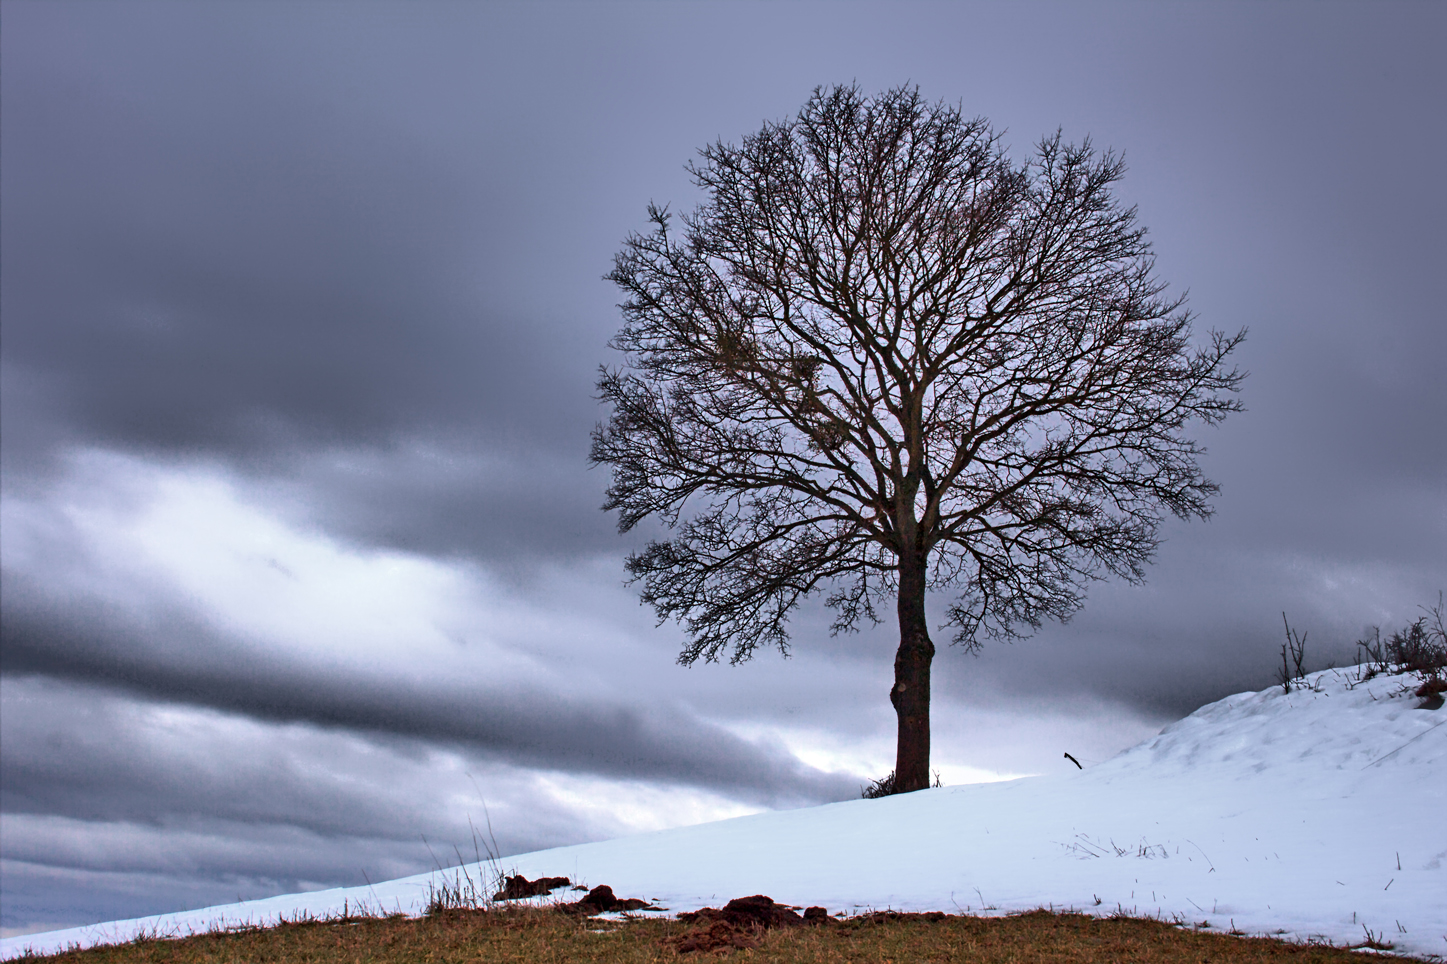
882, 359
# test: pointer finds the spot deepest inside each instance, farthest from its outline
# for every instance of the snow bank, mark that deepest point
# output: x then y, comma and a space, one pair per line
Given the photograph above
1314, 815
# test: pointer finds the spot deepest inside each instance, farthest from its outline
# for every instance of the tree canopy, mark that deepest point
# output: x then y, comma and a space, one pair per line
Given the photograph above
881, 359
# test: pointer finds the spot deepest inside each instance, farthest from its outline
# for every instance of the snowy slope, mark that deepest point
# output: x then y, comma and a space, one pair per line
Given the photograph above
1313, 815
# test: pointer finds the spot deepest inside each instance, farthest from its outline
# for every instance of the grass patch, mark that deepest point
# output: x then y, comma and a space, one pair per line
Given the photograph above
499, 936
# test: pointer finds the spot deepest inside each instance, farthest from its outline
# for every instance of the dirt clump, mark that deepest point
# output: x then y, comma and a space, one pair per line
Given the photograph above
717, 936
602, 900
883, 916
739, 923
518, 887
747, 911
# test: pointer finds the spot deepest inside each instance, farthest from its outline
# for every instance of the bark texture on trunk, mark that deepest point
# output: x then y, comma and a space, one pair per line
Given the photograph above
911, 691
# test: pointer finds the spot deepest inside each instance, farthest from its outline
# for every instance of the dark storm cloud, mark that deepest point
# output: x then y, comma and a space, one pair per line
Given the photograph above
174, 656
100, 760
248, 235
206, 269
45, 897
75, 752
515, 508
259, 262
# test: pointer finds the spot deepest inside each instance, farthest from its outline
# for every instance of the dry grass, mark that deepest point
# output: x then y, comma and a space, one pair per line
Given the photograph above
501, 936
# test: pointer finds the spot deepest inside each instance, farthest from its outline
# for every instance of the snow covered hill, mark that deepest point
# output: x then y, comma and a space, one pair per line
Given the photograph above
1317, 814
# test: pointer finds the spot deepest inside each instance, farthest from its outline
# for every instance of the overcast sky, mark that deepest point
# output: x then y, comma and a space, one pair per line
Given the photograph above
302, 308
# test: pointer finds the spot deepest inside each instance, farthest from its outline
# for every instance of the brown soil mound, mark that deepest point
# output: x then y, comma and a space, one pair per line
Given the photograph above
718, 936
739, 923
601, 899
747, 911
880, 916
516, 888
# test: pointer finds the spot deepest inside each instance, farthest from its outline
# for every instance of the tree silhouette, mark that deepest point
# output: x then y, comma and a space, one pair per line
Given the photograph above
882, 359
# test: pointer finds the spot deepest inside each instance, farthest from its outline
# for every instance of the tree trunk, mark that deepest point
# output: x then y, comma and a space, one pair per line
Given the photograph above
911, 691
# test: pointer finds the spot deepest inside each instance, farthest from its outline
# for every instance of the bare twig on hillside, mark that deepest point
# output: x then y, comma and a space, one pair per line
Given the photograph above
1295, 647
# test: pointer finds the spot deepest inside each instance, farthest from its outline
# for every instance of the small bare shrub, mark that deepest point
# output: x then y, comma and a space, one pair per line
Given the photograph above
1419, 647
1295, 647
1372, 654
1422, 646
